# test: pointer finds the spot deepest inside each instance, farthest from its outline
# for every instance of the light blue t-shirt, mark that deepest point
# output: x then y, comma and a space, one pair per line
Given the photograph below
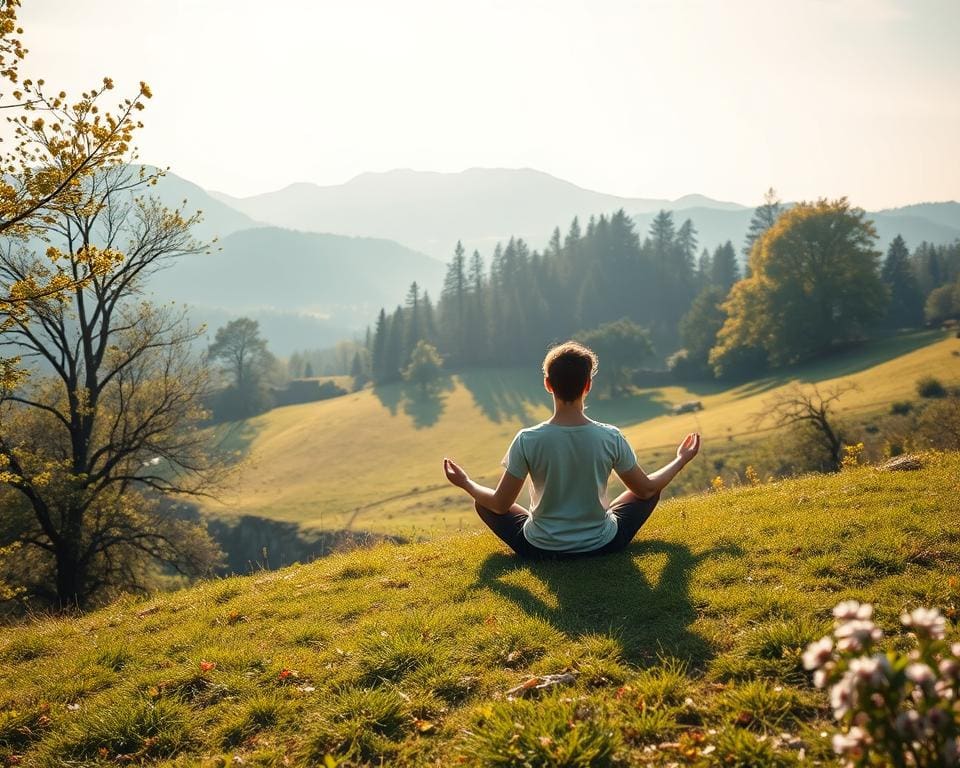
569, 468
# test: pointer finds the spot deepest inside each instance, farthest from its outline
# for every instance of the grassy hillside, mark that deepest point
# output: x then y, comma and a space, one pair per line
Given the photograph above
372, 460
685, 649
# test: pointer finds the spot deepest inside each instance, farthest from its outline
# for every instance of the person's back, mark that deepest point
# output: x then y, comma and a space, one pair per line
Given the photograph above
569, 467
569, 460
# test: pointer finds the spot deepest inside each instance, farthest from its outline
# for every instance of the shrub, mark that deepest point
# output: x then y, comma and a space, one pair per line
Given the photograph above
929, 386
901, 407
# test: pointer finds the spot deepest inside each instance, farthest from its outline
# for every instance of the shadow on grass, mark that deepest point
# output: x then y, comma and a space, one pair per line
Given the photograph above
612, 595
235, 437
844, 360
423, 404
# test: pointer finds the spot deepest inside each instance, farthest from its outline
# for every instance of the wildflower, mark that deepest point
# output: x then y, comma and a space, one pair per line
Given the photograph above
854, 635
925, 622
818, 653
820, 678
920, 674
850, 742
870, 670
851, 609
842, 696
207, 666
949, 667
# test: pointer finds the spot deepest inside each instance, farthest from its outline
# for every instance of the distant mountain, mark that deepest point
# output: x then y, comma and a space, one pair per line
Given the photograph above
302, 284
947, 214
430, 211
219, 219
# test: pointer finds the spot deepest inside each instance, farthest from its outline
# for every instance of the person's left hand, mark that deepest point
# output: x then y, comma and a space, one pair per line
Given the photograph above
455, 474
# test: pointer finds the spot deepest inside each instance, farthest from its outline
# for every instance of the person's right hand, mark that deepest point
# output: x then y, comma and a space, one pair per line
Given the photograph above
689, 447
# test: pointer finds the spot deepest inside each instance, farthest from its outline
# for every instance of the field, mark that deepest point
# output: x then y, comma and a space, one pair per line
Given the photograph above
371, 461
684, 650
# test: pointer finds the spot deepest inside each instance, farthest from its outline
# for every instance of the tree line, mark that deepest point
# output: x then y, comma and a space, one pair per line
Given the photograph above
812, 279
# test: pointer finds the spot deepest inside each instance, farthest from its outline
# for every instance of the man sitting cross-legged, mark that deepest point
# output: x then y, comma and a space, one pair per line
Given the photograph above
569, 459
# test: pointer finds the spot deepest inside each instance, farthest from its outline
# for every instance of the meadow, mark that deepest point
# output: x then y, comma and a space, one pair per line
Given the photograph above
683, 650
371, 460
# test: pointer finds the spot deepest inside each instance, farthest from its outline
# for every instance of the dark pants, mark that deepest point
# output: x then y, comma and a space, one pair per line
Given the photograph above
509, 529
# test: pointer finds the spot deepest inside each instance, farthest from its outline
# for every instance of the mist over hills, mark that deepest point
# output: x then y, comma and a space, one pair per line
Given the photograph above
430, 211
307, 289
336, 254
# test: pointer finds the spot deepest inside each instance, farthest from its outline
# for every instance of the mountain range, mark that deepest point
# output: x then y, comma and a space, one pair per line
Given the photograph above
338, 253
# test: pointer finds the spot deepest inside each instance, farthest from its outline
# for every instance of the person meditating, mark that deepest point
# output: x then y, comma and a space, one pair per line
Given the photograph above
569, 459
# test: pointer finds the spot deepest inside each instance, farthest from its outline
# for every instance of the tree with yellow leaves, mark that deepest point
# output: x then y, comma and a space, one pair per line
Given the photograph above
53, 143
94, 449
814, 283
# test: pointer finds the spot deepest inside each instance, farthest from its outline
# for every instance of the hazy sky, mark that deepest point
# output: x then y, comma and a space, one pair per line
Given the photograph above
652, 98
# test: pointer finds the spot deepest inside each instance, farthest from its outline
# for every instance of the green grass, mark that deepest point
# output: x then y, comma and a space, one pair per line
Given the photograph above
371, 460
685, 649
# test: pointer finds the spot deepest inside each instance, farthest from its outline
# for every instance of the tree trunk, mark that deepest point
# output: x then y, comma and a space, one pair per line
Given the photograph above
71, 579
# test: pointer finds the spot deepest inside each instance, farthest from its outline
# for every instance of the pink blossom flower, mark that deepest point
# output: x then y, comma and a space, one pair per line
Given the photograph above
920, 674
842, 696
851, 609
926, 622
817, 653
850, 742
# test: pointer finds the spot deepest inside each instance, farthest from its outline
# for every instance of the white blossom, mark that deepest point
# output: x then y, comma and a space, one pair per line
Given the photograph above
851, 609
817, 653
928, 622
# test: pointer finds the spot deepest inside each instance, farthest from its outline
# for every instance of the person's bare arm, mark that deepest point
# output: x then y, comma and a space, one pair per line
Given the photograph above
499, 500
647, 486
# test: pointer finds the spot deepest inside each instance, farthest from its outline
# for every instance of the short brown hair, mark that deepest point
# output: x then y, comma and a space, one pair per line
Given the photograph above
568, 367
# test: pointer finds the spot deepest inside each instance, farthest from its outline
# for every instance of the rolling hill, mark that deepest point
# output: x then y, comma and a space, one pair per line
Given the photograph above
371, 460
685, 649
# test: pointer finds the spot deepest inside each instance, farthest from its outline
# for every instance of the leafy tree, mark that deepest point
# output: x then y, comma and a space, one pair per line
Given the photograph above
246, 361
359, 370
906, 302
764, 217
943, 303
814, 283
622, 346
308, 370
425, 365
54, 145
87, 449
698, 330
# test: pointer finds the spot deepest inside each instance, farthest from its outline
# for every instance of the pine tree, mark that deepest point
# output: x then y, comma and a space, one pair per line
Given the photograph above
725, 270
905, 309
393, 355
414, 322
687, 244
378, 362
704, 270
477, 339
453, 303
764, 217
